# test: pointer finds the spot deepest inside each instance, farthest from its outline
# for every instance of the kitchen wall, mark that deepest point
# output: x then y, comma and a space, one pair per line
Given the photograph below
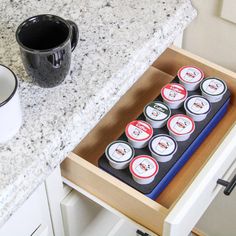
210, 36
214, 38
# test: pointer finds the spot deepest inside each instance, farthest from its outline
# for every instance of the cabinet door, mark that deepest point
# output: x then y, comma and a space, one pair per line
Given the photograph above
30, 216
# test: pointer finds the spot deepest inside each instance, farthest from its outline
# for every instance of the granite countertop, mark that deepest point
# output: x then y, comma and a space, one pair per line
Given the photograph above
119, 40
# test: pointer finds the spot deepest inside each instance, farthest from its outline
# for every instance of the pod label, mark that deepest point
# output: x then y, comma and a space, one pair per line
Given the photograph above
181, 124
119, 152
190, 74
157, 111
144, 166
198, 105
163, 145
139, 130
213, 86
174, 92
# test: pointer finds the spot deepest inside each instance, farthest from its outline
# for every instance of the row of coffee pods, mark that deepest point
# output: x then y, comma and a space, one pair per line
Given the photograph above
140, 134
192, 77
144, 168
120, 155
157, 113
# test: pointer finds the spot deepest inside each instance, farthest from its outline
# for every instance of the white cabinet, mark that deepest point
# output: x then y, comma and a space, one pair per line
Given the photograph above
32, 218
78, 212
84, 217
219, 218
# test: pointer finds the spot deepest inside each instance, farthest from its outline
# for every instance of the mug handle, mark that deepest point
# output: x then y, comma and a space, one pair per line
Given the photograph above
75, 34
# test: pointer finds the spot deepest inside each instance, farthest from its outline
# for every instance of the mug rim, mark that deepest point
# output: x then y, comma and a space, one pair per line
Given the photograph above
14, 90
43, 50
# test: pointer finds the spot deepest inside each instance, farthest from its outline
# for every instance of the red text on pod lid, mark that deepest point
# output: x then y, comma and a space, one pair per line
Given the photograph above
181, 124
139, 130
190, 74
174, 92
144, 167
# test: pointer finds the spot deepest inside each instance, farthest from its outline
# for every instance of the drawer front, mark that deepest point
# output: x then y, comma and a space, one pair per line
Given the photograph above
30, 216
115, 193
190, 207
178, 208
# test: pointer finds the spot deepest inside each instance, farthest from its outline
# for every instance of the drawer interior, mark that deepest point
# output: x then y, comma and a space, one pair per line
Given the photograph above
89, 150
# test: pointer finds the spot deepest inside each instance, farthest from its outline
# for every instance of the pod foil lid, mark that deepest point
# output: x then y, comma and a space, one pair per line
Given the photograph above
144, 167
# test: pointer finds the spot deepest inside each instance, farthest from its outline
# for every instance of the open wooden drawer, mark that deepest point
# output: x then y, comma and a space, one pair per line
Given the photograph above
181, 204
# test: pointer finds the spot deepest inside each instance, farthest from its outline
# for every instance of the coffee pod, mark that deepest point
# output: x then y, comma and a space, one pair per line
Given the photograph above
119, 154
157, 113
180, 127
138, 133
174, 95
163, 147
190, 77
197, 107
213, 89
143, 169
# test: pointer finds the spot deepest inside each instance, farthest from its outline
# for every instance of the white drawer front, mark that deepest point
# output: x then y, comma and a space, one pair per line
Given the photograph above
42, 231
186, 213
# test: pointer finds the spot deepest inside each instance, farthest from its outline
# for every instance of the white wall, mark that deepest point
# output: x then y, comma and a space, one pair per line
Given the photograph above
214, 38
210, 36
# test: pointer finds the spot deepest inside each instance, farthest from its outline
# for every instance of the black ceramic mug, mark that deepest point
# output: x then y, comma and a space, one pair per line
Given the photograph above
46, 43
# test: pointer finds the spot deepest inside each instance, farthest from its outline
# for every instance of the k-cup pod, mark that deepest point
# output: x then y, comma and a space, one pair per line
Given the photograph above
157, 113
139, 133
213, 89
180, 127
119, 154
174, 95
197, 107
190, 77
163, 147
143, 169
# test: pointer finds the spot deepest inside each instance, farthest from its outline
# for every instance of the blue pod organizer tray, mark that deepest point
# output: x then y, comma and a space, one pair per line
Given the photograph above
169, 169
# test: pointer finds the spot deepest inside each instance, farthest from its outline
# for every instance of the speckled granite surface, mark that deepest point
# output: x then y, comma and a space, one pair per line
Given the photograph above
119, 40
